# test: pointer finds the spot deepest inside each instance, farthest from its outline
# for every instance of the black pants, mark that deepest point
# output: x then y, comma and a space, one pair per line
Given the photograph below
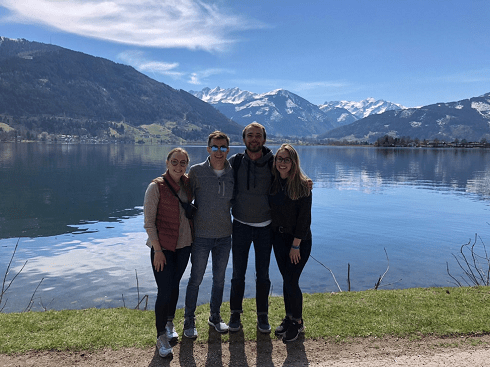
168, 281
293, 297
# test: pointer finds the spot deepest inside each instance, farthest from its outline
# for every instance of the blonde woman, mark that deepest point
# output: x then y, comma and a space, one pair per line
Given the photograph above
169, 238
290, 200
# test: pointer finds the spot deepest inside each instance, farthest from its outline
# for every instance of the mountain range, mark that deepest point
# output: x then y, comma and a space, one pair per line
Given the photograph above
284, 113
467, 119
47, 88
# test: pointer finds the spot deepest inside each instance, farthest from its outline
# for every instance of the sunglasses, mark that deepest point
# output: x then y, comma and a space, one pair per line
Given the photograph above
222, 149
285, 160
175, 162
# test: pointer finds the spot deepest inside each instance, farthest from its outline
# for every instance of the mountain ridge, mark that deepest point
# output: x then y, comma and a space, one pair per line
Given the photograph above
467, 119
50, 88
284, 113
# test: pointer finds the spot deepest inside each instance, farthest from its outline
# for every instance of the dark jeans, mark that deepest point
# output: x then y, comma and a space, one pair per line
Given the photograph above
243, 236
293, 297
168, 281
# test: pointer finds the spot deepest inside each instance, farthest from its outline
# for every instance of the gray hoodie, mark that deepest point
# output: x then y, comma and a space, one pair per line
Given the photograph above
251, 203
212, 196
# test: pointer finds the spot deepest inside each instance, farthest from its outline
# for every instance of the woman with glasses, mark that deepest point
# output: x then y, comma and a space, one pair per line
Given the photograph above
169, 237
290, 200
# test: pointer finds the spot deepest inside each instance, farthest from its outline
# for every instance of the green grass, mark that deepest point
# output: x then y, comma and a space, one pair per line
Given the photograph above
410, 313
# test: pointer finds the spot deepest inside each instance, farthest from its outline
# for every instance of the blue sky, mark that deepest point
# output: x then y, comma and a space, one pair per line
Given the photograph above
404, 51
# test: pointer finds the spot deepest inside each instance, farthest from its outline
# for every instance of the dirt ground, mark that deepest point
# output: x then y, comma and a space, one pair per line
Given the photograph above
268, 351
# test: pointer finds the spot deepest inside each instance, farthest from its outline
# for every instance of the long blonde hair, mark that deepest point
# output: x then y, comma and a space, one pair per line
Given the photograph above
297, 181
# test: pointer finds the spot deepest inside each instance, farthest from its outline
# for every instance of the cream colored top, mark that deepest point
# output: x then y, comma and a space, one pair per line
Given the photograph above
152, 197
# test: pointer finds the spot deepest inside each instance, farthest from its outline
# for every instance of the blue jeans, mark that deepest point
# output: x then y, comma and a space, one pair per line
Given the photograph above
168, 281
243, 236
293, 297
220, 252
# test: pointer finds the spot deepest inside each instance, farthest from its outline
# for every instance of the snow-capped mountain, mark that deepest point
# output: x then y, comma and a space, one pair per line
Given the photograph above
466, 119
286, 114
364, 108
281, 112
218, 95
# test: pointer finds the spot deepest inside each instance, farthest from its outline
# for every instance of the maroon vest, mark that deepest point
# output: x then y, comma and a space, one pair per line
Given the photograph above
168, 213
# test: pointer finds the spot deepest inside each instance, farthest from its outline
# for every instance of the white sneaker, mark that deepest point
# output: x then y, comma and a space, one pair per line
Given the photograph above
163, 346
171, 333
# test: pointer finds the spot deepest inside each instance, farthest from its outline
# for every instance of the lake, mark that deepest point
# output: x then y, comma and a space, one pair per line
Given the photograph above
76, 213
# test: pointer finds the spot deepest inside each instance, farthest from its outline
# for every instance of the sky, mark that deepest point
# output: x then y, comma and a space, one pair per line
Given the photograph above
411, 52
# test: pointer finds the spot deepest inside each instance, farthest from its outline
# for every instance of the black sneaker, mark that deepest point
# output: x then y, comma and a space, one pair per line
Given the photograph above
263, 324
281, 329
234, 324
293, 331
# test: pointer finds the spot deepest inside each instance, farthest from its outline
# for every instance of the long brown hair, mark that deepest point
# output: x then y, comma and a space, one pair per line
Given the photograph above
297, 181
178, 150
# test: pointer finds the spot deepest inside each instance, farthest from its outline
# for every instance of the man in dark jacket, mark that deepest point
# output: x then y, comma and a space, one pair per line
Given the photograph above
251, 223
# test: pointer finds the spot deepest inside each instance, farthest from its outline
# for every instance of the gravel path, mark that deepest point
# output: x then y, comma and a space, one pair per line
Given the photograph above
268, 352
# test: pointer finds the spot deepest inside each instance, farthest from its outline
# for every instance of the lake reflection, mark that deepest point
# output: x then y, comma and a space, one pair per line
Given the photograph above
77, 211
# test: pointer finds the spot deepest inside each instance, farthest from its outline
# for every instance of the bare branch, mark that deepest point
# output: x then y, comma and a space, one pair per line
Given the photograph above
348, 276
456, 280
137, 288
333, 276
376, 286
387, 285
29, 306
138, 305
4, 286
45, 308
473, 270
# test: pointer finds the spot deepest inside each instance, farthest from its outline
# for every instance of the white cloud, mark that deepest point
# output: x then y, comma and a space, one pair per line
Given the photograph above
138, 60
194, 79
191, 24
200, 77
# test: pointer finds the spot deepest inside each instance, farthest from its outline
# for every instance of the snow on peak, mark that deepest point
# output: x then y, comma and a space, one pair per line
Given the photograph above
219, 95
364, 108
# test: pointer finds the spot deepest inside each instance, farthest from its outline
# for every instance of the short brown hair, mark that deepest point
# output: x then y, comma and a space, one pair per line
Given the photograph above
254, 124
218, 135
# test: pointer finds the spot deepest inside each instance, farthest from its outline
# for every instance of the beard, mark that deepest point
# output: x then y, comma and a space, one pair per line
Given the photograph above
255, 149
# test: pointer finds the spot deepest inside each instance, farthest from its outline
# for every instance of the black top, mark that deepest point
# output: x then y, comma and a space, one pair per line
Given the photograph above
293, 215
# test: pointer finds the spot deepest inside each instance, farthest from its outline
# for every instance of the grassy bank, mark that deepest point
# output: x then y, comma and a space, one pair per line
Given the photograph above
405, 313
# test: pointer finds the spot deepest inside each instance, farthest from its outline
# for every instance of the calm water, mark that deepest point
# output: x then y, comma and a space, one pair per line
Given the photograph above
76, 211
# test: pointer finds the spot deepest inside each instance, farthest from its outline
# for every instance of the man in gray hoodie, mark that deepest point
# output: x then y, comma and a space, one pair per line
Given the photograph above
212, 185
251, 223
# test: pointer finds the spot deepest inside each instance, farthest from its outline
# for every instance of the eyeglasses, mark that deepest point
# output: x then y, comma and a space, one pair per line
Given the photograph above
175, 162
285, 160
222, 149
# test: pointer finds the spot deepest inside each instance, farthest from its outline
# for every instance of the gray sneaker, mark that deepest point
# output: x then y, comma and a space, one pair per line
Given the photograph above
217, 323
190, 330
163, 346
171, 333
